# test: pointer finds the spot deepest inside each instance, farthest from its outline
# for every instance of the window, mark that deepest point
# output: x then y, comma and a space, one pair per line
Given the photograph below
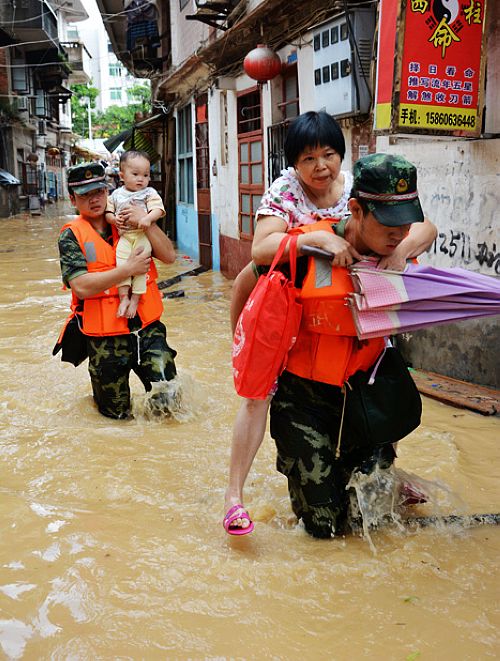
326, 74
334, 70
290, 103
110, 47
345, 68
250, 160
115, 69
115, 94
19, 75
41, 109
249, 113
334, 36
325, 38
201, 136
343, 32
317, 42
251, 182
317, 76
185, 155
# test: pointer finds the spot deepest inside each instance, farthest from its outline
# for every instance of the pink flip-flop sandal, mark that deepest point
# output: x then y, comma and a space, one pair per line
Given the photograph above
237, 512
411, 495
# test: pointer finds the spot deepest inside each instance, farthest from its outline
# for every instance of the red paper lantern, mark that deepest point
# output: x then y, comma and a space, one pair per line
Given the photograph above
262, 64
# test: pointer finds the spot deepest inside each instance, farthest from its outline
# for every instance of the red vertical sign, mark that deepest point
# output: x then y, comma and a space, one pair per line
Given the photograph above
388, 12
441, 72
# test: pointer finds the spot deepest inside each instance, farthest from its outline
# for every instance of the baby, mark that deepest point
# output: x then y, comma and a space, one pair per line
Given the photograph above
135, 173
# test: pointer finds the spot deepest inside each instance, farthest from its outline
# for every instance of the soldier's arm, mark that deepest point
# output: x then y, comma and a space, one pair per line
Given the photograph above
419, 239
90, 284
163, 248
75, 273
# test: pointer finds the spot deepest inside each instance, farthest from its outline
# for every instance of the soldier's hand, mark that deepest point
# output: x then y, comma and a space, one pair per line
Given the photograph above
139, 261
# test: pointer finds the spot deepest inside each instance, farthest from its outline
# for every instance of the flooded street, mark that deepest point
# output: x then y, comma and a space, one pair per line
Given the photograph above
111, 541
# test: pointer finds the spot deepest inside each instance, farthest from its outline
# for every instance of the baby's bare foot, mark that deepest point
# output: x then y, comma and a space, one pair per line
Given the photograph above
123, 307
132, 306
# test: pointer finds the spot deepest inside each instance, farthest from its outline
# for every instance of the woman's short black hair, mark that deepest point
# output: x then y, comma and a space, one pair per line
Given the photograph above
313, 129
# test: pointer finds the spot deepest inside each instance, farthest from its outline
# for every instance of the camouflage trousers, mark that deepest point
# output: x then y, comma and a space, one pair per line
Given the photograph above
305, 423
111, 359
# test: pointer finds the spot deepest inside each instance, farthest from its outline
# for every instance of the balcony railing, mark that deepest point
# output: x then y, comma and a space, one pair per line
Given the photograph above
78, 60
30, 20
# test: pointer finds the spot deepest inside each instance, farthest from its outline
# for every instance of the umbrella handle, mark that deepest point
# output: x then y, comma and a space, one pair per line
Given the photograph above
312, 251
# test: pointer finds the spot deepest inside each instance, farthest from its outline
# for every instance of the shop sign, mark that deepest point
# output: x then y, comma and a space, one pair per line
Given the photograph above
435, 83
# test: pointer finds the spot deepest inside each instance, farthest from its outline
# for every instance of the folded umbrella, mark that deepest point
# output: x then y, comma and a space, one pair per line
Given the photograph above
388, 302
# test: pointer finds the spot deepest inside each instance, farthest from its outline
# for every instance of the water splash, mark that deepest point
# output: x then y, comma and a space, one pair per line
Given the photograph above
378, 499
172, 399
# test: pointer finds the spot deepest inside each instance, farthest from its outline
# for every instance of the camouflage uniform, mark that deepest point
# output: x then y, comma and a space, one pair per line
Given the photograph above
111, 358
305, 422
306, 415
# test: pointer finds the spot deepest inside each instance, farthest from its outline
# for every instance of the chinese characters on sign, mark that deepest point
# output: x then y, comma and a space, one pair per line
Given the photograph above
441, 66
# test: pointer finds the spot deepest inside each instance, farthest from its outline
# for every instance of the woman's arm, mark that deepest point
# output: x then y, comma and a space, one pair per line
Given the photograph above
270, 230
243, 286
419, 239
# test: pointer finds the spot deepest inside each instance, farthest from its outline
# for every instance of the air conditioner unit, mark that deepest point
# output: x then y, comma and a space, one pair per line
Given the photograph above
22, 103
342, 53
42, 127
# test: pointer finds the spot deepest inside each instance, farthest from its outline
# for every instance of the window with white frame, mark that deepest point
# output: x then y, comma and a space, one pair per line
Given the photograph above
115, 69
115, 94
185, 155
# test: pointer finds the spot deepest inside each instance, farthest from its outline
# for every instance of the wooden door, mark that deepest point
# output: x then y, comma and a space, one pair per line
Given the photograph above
203, 182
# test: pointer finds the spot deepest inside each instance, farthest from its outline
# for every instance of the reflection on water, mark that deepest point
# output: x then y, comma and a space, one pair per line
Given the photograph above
111, 540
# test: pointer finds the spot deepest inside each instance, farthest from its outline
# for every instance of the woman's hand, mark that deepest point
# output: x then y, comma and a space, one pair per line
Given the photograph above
345, 253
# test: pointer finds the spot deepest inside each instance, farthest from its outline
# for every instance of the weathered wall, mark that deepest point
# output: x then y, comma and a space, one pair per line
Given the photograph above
459, 186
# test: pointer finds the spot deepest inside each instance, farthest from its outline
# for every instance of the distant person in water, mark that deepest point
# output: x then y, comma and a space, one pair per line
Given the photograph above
135, 172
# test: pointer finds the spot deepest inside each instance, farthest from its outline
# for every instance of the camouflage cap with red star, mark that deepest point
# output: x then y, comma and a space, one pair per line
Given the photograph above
387, 184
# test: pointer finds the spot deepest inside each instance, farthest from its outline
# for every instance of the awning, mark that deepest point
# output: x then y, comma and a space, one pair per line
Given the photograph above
139, 141
88, 154
139, 138
62, 92
8, 179
116, 140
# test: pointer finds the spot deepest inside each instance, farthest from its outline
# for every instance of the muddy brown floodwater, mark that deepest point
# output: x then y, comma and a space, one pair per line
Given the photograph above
111, 541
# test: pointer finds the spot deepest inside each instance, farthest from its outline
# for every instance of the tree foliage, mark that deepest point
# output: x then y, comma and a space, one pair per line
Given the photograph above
119, 118
114, 119
82, 96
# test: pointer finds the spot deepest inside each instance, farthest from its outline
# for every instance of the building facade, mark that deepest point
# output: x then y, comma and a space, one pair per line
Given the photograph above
38, 64
225, 136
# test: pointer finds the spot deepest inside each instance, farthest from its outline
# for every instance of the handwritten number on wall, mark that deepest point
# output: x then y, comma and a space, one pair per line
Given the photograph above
448, 243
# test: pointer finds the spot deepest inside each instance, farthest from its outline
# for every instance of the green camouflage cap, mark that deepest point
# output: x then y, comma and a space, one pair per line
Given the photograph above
85, 177
387, 184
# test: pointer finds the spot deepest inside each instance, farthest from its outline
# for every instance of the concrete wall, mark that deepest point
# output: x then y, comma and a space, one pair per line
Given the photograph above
459, 186
186, 35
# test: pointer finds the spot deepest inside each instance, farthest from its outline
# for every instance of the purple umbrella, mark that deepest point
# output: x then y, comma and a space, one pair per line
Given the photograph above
388, 302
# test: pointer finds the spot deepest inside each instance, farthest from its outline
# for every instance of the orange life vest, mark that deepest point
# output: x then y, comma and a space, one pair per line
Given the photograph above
327, 348
99, 311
